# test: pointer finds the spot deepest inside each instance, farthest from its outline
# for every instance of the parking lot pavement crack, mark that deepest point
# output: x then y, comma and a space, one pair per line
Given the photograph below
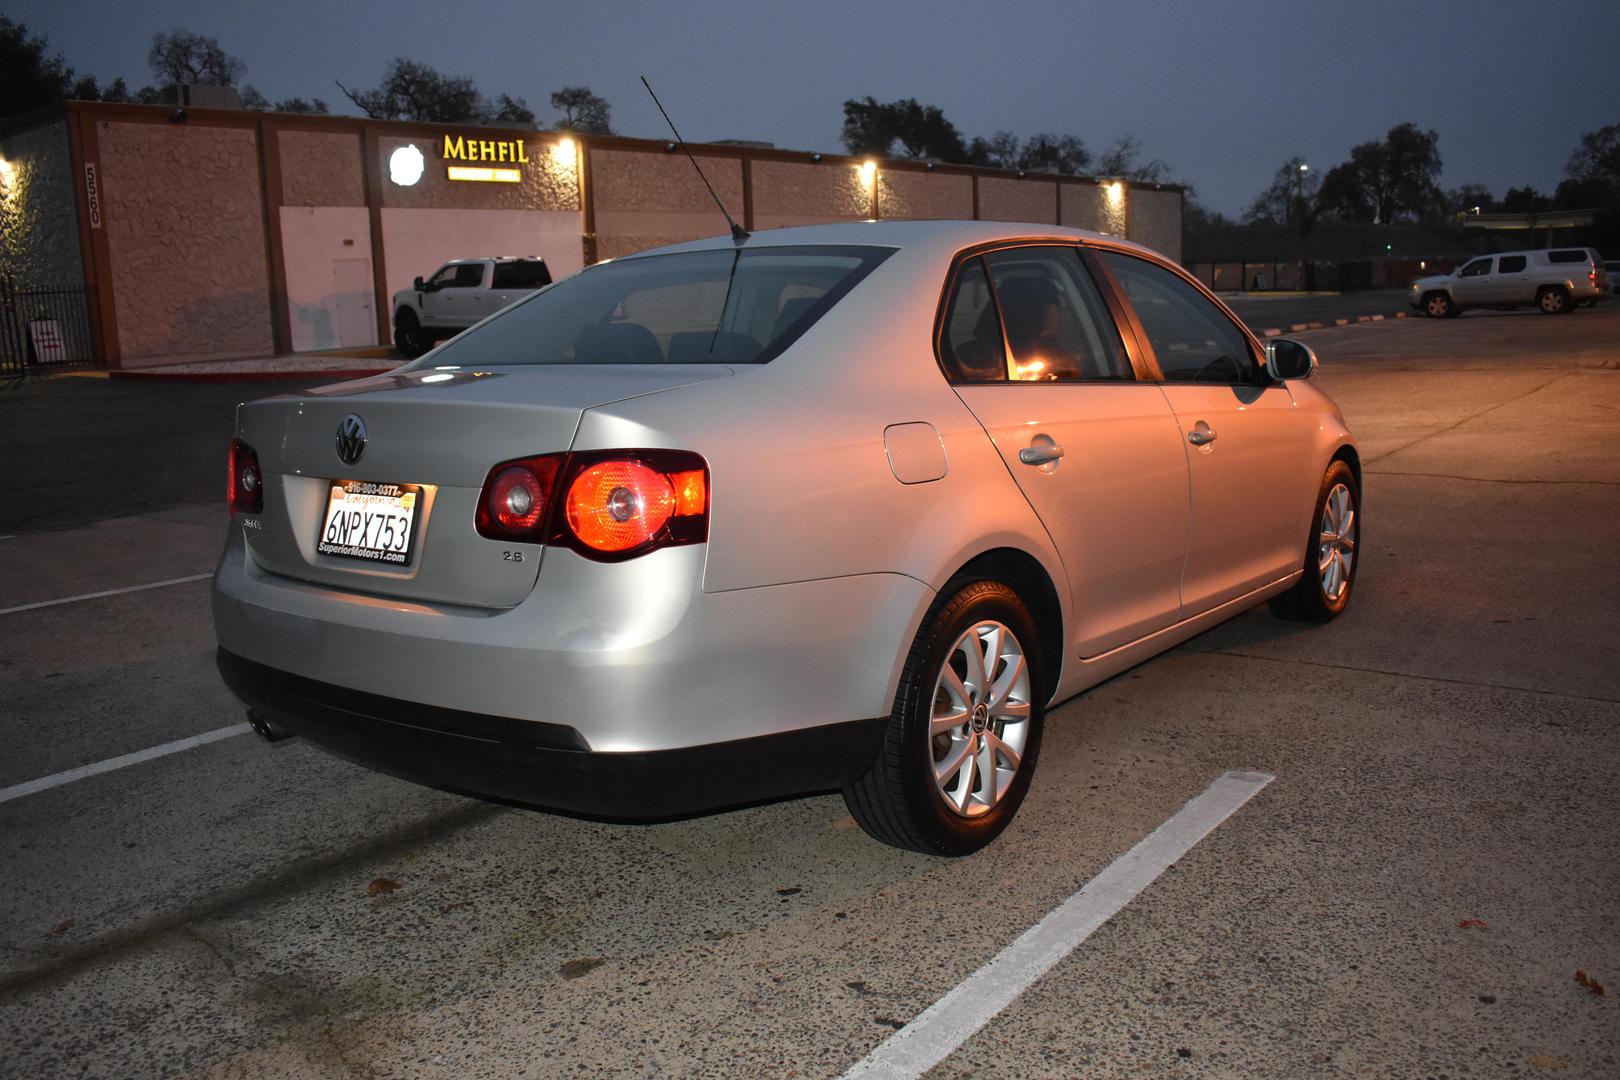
1495, 479
1470, 418
1410, 675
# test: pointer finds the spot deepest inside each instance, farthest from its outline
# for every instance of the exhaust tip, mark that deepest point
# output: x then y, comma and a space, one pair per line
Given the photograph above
266, 728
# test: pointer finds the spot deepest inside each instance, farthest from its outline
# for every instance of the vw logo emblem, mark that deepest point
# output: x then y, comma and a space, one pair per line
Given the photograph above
351, 439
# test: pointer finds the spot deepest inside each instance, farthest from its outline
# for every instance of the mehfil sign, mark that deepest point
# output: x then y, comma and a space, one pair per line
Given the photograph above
461, 148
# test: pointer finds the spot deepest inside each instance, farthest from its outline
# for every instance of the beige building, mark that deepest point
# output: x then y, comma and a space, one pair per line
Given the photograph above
198, 233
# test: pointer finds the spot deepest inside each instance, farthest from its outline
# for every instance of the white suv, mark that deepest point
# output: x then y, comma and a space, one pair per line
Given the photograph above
459, 294
1556, 280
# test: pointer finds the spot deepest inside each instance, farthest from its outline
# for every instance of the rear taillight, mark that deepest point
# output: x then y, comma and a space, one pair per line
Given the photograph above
614, 504
516, 501
246, 491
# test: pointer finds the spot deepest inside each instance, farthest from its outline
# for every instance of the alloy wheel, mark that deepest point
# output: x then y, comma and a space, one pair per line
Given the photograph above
980, 719
1336, 547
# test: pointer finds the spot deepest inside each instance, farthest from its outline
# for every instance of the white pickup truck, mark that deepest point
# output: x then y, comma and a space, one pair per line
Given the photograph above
459, 294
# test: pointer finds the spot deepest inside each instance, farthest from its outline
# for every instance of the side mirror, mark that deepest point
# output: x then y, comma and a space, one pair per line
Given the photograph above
1287, 359
418, 286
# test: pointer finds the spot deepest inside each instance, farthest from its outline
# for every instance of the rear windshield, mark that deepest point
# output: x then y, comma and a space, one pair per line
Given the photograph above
521, 275
1578, 255
701, 307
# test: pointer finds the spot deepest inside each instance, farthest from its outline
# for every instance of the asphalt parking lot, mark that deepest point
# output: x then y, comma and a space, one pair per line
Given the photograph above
1411, 896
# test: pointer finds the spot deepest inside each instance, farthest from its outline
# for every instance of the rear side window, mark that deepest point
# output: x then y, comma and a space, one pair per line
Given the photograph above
1193, 339
1058, 327
1510, 264
971, 344
1577, 255
697, 307
521, 275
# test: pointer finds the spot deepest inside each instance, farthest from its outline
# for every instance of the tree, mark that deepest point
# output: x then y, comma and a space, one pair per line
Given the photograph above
582, 111
1196, 217
1524, 200
998, 151
1597, 157
88, 89
414, 91
873, 127
1288, 199
1468, 198
513, 110
253, 99
189, 58
1386, 181
1120, 160
1064, 154
30, 77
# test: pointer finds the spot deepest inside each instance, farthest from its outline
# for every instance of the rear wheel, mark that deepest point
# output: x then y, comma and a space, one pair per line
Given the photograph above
1437, 305
409, 337
966, 728
1330, 554
1554, 300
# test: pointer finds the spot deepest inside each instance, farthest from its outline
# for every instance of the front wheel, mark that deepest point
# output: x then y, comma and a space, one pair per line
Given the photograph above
966, 728
1330, 554
409, 336
1437, 305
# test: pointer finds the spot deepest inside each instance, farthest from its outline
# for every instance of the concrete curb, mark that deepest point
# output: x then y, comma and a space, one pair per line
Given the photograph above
1295, 328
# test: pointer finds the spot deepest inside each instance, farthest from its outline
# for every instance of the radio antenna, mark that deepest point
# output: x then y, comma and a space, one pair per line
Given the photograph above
738, 233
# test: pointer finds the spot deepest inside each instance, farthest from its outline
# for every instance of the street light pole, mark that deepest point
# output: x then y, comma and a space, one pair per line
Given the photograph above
1299, 224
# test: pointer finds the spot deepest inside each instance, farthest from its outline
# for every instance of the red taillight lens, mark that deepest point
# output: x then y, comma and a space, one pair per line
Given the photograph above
614, 504
245, 493
516, 499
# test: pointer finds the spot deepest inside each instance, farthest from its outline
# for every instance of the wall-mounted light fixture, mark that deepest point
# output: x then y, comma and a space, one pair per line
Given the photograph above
566, 151
815, 158
8, 178
868, 170
178, 116
669, 148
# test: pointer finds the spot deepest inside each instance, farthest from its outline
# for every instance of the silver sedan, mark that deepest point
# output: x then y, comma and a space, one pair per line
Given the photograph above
839, 507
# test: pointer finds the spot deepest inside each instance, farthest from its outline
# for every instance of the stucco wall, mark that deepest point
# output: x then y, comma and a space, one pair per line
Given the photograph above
1011, 199
788, 193
185, 232
1156, 220
550, 177
39, 224
320, 168
644, 200
906, 194
330, 288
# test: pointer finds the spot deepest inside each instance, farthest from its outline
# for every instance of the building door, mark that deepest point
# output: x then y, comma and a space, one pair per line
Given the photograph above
352, 292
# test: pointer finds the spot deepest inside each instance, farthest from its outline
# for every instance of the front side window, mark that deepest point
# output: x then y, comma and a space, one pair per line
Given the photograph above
698, 307
1477, 268
1193, 339
1510, 264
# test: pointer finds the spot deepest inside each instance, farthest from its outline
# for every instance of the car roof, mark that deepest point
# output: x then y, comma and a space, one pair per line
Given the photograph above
945, 237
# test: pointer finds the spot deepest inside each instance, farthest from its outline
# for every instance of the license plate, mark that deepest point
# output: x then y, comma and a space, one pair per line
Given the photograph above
370, 521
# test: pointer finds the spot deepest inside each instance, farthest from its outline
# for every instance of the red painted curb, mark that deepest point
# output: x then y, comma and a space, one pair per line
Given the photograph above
246, 376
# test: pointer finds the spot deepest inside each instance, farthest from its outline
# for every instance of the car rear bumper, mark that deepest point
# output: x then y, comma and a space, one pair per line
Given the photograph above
549, 766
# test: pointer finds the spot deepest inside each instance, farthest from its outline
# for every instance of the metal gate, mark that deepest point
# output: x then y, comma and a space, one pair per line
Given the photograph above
43, 329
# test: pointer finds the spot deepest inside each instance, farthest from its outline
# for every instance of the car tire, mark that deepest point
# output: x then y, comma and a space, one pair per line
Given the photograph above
1554, 300
409, 337
1437, 305
928, 789
1331, 552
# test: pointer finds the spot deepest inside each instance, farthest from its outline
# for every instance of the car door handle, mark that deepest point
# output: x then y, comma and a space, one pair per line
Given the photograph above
1040, 455
1202, 435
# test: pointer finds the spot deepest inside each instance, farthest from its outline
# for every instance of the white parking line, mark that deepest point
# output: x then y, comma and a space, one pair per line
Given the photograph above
45, 783
952, 1020
105, 592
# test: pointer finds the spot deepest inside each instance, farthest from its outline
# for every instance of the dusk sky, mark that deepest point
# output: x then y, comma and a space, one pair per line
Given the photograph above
1224, 92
